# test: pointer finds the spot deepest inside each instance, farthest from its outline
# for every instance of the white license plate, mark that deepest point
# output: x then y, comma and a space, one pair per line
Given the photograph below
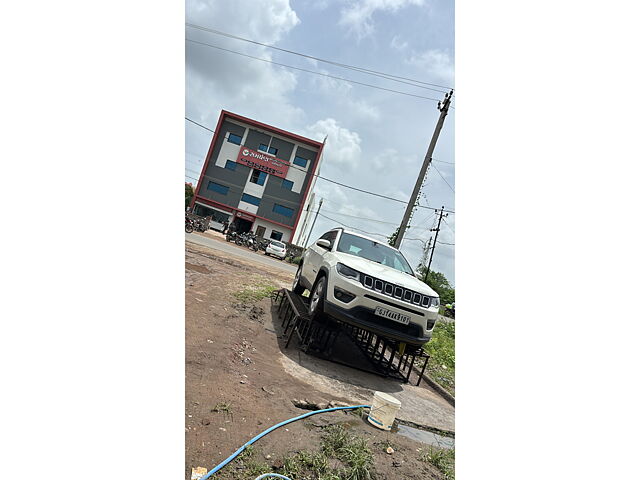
397, 317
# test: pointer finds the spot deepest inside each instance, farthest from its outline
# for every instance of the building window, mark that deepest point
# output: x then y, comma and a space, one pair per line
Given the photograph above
288, 184
301, 162
231, 165
266, 148
233, 138
282, 210
216, 187
251, 199
276, 235
258, 177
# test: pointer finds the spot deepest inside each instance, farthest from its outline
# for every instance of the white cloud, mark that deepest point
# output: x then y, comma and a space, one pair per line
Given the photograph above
437, 63
358, 16
342, 147
397, 44
219, 80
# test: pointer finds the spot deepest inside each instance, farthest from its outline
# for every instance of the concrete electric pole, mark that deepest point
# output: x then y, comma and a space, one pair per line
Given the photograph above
435, 240
444, 109
313, 224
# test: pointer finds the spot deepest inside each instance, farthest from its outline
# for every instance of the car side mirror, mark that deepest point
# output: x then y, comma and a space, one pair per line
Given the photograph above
324, 243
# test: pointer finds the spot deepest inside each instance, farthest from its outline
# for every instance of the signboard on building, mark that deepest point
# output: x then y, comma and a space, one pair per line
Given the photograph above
263, 162
246, 216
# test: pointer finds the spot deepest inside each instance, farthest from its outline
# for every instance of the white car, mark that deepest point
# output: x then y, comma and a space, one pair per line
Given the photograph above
369, 284
277, 249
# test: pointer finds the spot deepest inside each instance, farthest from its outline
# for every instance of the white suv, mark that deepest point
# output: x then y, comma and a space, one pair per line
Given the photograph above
369, 284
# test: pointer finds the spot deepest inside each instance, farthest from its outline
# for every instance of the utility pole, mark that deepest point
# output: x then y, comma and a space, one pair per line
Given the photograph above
313, 224
444, 109
435, 240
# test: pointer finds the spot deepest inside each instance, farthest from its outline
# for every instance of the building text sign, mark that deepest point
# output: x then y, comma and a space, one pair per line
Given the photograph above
265, 163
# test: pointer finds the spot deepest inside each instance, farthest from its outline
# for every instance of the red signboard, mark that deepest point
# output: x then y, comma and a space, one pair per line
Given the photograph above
246, 216
263, 162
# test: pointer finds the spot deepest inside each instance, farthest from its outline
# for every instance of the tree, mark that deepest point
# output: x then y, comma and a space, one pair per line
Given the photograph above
392, 238
188, 194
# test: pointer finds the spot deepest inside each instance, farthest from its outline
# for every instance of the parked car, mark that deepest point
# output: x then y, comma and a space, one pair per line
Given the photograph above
277, 249
366, 283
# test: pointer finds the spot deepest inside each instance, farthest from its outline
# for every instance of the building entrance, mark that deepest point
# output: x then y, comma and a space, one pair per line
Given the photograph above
242, 225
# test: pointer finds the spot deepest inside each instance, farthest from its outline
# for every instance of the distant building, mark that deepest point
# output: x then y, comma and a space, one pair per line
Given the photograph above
259, 177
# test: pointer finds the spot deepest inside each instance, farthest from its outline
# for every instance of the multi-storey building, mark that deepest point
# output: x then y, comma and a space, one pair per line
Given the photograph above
258, 177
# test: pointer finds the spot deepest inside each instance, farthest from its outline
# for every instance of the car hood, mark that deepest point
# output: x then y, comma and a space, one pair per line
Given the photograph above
385, 273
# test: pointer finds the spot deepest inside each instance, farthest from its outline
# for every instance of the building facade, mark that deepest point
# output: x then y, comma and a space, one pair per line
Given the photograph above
258, 177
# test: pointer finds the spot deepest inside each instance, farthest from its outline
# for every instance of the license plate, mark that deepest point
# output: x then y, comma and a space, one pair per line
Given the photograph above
397, 317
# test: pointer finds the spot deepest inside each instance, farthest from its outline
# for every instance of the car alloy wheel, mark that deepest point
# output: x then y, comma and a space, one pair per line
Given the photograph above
317, 296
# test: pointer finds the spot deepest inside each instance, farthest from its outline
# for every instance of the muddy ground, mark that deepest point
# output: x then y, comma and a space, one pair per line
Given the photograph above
234, 361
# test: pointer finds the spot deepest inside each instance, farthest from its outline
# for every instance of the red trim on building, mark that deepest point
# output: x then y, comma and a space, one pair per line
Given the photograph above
306, 191
272, 129
213, 203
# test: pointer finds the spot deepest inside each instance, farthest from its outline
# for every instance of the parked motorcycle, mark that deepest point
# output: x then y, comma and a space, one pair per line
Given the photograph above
188, 225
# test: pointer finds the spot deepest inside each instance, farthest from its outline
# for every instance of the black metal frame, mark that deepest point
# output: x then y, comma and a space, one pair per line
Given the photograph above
387, 357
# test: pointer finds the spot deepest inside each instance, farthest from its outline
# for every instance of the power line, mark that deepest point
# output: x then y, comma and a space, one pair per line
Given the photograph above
387, 76
442, 161
363, 218
450, 227
313, 72
445, 180
352, 228
342, 184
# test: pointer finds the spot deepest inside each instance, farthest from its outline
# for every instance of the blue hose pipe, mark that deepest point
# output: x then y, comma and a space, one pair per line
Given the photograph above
224, 463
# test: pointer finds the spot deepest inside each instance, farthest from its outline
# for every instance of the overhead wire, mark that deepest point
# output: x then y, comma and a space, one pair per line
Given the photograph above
342, 184
367, 71
444, 179
314, 72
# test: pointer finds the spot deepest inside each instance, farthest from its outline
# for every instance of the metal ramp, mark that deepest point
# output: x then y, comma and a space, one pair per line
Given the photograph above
334, 340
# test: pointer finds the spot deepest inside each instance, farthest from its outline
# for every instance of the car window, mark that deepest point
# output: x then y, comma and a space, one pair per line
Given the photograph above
374, 251
277, 244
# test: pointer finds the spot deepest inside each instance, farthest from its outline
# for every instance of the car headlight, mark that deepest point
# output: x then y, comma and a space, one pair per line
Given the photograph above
435, 302
348, 271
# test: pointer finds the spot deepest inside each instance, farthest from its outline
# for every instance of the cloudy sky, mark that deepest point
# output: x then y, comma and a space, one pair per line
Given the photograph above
376, 139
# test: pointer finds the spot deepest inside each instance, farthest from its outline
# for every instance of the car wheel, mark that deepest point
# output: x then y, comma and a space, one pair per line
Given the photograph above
316, 304
298, 288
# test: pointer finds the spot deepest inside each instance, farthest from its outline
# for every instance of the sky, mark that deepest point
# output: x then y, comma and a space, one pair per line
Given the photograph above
376, 139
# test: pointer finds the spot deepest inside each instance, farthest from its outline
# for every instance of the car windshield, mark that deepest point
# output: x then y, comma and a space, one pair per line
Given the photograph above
277, 244
374, 251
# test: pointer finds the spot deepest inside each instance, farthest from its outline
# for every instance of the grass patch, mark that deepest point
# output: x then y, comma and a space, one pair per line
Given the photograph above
255, 292
441, 348
223, 407
442, 459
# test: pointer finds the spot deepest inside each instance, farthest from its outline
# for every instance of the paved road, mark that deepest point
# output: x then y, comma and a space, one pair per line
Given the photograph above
240, 252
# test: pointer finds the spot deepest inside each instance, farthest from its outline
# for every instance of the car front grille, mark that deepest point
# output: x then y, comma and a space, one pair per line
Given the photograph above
395, 291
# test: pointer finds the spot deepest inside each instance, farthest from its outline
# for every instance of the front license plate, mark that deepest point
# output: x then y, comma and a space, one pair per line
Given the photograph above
397, 317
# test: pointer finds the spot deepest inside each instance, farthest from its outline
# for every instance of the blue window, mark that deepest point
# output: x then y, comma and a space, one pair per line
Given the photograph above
301, 162
273, 151
216, 187
263, 148
233, 138
282, 210
288, 184
258, 177
251, 199
231, 165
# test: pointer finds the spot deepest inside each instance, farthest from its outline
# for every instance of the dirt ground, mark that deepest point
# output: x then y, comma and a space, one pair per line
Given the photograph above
233, 364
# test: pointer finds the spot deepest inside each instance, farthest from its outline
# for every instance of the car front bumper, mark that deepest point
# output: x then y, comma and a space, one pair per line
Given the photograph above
360, 312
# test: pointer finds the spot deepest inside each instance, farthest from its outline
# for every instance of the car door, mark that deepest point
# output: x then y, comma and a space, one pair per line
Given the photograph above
311, 266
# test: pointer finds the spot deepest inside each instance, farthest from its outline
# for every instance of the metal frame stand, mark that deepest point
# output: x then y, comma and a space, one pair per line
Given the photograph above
386, 357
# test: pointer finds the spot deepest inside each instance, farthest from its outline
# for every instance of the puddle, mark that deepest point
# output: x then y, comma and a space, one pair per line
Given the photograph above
423, 436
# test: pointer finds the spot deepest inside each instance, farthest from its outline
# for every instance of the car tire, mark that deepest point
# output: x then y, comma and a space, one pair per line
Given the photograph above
188, 228
316, 300
298, 288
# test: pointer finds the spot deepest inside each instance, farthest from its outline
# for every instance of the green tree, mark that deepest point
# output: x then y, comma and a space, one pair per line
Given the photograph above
188, 194
439, 283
